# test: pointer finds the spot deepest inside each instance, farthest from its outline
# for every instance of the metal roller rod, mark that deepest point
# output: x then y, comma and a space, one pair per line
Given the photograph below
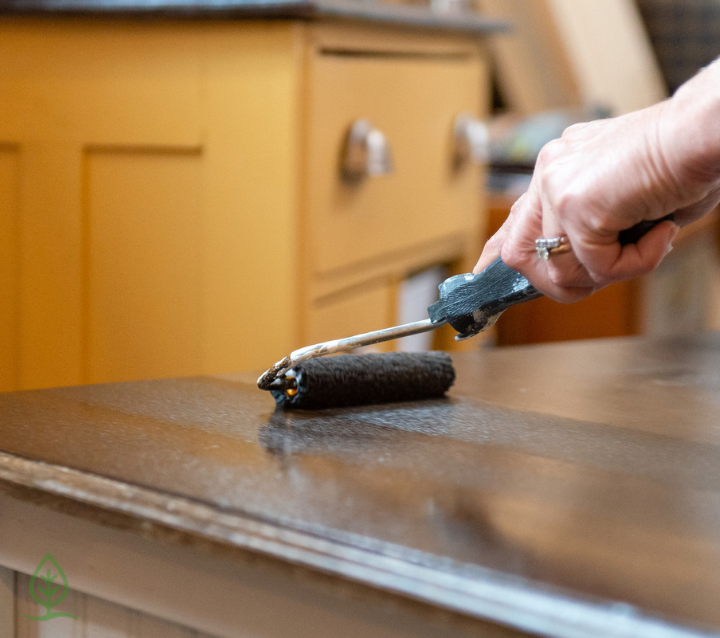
343, 345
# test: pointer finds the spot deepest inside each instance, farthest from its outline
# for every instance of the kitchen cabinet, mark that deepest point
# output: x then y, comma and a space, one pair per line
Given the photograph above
171, 198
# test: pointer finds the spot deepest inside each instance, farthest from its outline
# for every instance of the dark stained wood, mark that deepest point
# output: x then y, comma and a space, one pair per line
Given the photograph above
574, 487
357, 10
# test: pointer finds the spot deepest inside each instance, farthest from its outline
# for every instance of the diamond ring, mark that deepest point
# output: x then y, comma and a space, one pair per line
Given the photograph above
547, 246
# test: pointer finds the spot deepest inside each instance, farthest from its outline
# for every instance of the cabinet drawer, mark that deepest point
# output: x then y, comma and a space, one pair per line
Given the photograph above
360, 309
413, 99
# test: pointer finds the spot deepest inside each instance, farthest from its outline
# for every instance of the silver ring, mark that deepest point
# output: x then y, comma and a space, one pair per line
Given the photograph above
547, 246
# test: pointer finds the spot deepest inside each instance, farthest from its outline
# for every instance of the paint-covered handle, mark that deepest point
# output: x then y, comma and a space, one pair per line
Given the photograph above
633, 235
470, 303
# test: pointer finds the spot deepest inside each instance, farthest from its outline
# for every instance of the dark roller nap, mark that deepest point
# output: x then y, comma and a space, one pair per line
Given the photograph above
350, 379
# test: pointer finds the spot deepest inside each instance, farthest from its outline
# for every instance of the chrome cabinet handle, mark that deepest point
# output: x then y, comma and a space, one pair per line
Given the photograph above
471, 141
366, 153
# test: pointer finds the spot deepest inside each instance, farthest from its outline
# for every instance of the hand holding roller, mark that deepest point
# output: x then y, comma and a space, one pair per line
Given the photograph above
469, 303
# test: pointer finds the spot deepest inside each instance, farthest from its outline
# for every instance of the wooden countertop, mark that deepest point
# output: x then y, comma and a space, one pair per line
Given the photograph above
356, 10
566, 489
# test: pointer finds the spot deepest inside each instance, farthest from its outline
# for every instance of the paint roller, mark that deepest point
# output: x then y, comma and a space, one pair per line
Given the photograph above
469, 303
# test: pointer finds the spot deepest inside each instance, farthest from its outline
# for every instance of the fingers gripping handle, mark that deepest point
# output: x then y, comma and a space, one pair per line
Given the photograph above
634, 234
472, 303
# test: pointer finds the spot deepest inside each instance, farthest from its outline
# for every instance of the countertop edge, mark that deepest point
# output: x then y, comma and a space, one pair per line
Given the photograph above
476, 592
357, 10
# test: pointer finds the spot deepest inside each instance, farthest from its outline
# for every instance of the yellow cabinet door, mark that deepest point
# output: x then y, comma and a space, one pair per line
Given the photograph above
9, 269
148, 170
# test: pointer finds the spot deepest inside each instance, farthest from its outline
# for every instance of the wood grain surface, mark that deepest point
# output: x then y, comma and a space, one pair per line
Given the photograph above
567, 489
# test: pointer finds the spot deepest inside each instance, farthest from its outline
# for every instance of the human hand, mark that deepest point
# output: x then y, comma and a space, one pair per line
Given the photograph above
602, 177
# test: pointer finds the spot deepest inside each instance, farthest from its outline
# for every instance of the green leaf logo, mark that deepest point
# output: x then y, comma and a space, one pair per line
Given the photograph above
47, 581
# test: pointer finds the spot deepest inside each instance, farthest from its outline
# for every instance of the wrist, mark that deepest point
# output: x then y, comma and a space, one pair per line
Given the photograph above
689, 131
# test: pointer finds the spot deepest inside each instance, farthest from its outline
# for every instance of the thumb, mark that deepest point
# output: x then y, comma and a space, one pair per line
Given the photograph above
490, 252
493, 246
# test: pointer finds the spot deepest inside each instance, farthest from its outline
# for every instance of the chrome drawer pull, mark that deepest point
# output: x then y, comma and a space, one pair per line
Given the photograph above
471, 141
367, 152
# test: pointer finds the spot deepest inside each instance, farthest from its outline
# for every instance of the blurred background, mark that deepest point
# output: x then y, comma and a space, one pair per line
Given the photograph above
199, 188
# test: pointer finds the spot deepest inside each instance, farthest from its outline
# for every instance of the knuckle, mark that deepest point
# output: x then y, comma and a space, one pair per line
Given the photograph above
575, 128
601, 279
564, 197
560, 277
511, 256
571, 296
600, 224
549, 153
568, 288
602, 276
570, 200
565, 201
583, 128
570, 276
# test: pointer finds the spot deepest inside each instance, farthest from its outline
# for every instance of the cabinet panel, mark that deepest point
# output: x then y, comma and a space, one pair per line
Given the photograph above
361, 309
60, 627
100, 81
93, 618
413, 100
144, 264
7, 603
9, 254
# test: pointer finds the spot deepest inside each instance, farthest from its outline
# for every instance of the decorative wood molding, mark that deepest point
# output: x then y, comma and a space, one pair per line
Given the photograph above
239, 565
